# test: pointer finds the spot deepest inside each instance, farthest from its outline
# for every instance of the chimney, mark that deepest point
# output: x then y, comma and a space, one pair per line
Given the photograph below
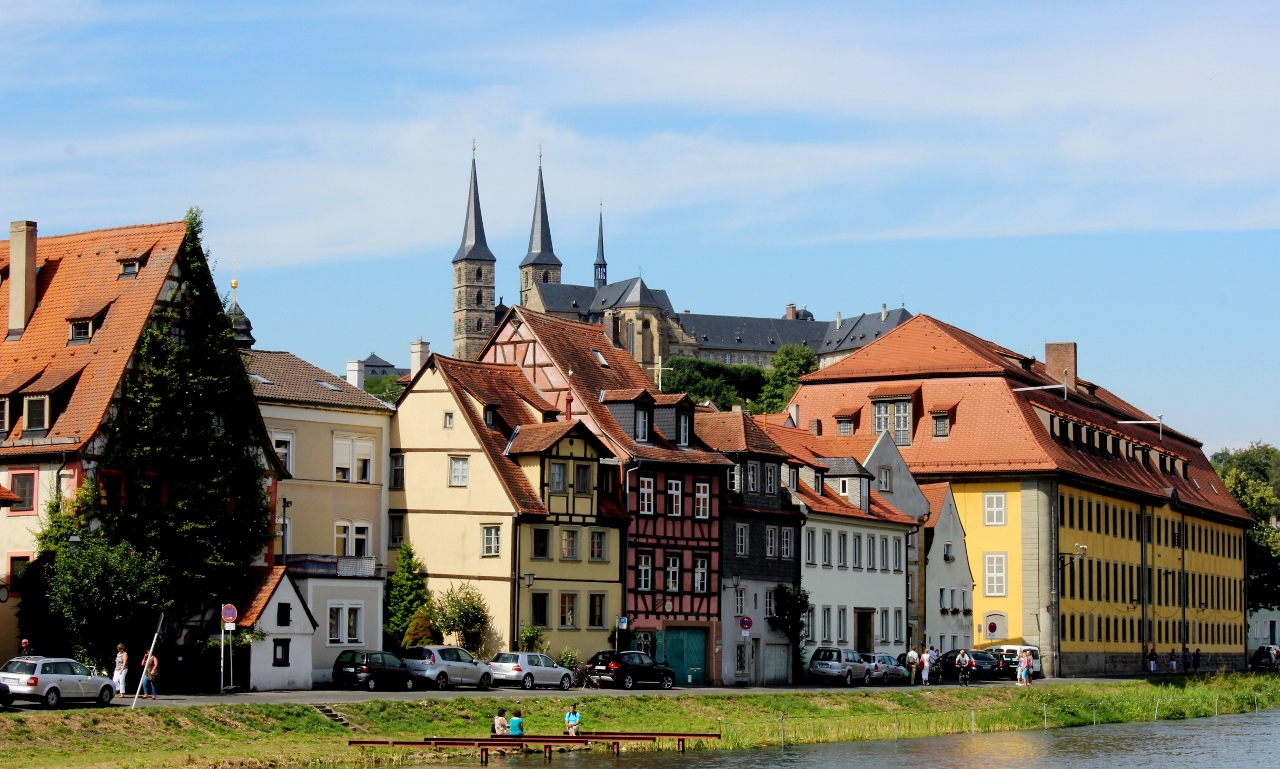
419, 351
815, 427
791, 312
22, 276
884, 312
737, 409
837, 321
794, 408
355, 374
1060, 357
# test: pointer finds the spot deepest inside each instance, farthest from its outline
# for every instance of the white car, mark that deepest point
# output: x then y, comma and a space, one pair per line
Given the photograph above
530, 670
51, 680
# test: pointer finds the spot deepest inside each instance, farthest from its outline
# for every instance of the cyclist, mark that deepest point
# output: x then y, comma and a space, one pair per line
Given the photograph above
962, 666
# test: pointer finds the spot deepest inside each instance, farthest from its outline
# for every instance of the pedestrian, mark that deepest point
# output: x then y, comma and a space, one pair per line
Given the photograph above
1151, 662
571, 720
913, 661
1022, 668
122, 667
517, 724
500, 726
1031, 667
1186, 661
25, 649
1173, 661
1195, 660
150, 666
926, 662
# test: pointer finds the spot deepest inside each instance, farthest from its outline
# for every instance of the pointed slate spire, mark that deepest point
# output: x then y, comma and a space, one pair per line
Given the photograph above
602, 269
540, 250
473, 246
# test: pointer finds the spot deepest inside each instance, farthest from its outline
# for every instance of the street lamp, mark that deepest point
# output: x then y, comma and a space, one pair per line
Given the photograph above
73, 543
528, 579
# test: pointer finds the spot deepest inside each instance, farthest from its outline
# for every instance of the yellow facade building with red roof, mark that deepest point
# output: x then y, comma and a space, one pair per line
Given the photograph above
1093, 530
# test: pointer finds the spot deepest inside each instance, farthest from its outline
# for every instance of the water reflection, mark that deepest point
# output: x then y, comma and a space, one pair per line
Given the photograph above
1227, 742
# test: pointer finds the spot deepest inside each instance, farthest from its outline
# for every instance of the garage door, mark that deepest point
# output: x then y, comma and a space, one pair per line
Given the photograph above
687, 655
777, 664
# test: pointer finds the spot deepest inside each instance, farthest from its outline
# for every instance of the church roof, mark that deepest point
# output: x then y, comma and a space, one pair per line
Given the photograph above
566, 297
474, 247
734, 332
540, 250
241, 328
600, 243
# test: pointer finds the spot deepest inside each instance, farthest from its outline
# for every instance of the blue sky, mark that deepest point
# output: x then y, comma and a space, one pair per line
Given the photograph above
1106, 173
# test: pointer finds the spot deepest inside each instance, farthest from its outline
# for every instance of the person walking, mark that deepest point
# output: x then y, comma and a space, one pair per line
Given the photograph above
1186, 661
25, 650
913, 661
926, 662
1022, 668
150, 666
121, 668
1031, 667
1151, 661
517, 724
1173, 661
571, 720
500, 726
1195, 660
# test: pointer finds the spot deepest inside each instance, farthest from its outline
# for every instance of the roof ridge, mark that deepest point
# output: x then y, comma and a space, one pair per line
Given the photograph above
107, 229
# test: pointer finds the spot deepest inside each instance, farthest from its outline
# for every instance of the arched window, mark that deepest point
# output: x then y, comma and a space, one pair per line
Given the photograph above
479, 298
545, 276
479, 274
480, 324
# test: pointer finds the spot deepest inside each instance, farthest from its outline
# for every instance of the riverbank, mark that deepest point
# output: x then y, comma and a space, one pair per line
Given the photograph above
259, 736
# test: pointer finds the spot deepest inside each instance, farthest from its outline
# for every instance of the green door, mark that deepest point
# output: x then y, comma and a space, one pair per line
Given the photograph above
687, 655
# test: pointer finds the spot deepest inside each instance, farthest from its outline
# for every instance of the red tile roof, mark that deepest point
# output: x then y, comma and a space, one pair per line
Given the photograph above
282, 377
733, 431
936, 495
832, 503
78, 273
805, 446
623, 396
7, 497
535, 439
263, 581
996, 428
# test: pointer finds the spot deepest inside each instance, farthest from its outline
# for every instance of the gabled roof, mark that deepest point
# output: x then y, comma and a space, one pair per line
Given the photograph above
734, 431
7, 498
474, 246
860, 331
78, 271
734, 332
808, 448
540, 249
831, 503
936, 495
585, 300
535, 439
263, 582
284, 378
377, 362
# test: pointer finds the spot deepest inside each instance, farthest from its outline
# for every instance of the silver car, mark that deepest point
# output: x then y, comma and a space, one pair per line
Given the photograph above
530, 670
843, 666
445, 666
885, 669
51, 680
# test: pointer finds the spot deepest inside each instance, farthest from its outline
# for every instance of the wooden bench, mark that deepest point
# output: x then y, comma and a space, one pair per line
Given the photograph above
547, 741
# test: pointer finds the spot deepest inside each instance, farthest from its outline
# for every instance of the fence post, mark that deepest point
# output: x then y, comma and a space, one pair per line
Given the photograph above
1046, 715
1255, 703
782, 726
1157, 715
1095, 714
895, 727
1215, 706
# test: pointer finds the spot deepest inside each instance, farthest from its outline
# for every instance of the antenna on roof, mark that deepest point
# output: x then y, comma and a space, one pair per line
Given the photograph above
1159, 420
1048, 387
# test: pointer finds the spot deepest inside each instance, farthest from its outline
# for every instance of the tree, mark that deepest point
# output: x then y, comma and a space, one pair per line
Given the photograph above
1252, 476
723, 384
384, 388
790, 610
790, 362
406, 592
422, 630
464, 612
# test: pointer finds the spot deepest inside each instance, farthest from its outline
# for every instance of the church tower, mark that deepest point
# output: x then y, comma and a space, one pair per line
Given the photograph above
540, 265
602, 269
473, 282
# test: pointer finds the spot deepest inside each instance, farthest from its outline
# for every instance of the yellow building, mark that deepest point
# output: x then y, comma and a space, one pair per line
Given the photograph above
499, 494
1094, 531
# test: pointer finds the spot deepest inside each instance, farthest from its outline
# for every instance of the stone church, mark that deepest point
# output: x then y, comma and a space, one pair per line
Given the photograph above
639, 319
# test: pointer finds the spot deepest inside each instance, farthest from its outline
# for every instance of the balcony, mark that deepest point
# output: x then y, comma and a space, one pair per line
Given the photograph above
320, 565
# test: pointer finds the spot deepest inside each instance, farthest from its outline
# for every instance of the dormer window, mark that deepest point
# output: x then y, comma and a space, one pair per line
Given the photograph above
37, 413
844, 426
818, 483
642, 426
941, 425
683, 430
4, 416
488, 415
129, 269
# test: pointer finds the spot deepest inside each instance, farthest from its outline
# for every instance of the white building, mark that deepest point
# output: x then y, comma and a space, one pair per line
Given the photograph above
947, 611
1264, 629
276, 607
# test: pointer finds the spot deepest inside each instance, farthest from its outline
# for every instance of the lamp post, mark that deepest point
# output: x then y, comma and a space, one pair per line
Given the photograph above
73, 543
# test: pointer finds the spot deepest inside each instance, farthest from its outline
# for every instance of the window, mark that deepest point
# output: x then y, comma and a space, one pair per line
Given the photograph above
492, 540
682, 431
595, 610
557, 477
280, 652
37, 417
897, 626
599, 545
739, 601
842, 550
673, 574
881, 419
644, 571
397, 471
4, 415
941, 425
884, 626
541, 543
490, 412
742, 536
541, 605
994, 574
942, 598
360, 542
844, 487
771, 541
793, 477
809, 626
129, 269
810, 547
784, 549
768, 603
947, 553
885, 478
675, 498
826, 624
569, 545
857, 551
17, 567
568, 610
897, 554
364, 461
341, 537
448, 420
770, 479
646, 496
993, 507
284, 450
396, 526
642, 425
818, 484
345, 625
582, 478
902, 423
753, 477
24, 486
599, 358
871, 552
844, 426
458, 468
701, 500
826, 548
842, 624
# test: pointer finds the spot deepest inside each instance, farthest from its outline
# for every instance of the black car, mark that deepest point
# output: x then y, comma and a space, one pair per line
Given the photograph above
626, 669
372, 671
982, 665
6, 696
1265, 659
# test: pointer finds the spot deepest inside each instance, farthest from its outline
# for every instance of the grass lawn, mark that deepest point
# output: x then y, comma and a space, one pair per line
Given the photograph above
250, 736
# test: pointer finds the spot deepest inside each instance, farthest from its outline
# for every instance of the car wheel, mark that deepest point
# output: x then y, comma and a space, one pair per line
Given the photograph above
485, 683
630, 683
52, 699
442, 682
566, 683
848, 678
372, 684
866, 678
527, 682
105, 696
667, 682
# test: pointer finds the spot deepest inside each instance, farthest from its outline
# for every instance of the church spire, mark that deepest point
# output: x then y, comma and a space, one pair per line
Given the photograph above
473, 245
602, 269
540, 250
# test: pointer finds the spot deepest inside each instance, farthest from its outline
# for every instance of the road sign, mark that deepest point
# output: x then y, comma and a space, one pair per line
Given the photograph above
745, 623
622, 623
228, 626
229, 613
991, 628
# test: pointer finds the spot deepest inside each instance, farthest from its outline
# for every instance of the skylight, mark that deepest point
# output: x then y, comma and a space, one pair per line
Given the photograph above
325, 384
260, 379
599, 358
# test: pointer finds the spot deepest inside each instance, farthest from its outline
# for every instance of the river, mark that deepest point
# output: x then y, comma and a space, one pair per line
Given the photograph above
1227, 742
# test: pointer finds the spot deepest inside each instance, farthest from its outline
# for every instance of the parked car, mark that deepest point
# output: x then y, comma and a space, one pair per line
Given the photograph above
828, 664
982, 665
626, 669
372, 671
1009, 656
6, 697
1265, 659
445, 666
530, 670
53, 680
886, 669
